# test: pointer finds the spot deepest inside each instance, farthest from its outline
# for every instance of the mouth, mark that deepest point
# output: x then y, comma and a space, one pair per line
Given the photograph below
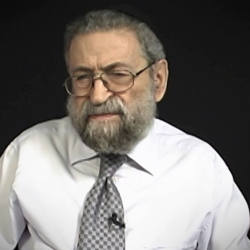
103, 116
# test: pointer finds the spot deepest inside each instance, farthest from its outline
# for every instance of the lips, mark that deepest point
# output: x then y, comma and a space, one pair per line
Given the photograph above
104, 115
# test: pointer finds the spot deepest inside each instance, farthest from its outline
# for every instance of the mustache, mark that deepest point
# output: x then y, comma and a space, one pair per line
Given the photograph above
113, 105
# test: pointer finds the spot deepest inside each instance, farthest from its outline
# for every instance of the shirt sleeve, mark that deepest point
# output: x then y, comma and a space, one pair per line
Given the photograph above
230, 214
12, 222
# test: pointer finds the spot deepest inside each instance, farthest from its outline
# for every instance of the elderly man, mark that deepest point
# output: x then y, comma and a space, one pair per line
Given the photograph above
111, 176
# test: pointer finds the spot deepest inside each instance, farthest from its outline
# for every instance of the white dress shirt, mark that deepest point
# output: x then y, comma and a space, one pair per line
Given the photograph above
178, 194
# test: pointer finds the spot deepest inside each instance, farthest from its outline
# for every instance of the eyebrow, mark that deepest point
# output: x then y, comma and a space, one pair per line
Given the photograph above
106, 68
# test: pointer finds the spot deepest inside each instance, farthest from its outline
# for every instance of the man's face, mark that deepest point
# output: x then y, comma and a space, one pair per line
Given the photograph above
110, 122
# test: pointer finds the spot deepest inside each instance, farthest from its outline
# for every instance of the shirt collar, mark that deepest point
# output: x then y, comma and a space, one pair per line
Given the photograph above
81, 152
144, 153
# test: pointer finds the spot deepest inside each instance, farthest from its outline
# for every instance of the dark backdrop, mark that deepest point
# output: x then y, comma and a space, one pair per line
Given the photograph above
207, 46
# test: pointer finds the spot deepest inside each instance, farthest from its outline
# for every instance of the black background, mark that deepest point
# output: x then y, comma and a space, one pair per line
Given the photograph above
207, 46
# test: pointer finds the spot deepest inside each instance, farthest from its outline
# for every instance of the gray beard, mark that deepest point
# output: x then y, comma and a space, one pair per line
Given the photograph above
117, 136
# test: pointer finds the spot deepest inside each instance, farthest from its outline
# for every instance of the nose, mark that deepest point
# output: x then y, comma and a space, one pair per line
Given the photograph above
99, 93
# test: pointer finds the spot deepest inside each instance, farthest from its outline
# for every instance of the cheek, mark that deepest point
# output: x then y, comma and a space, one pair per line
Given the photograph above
132, 96
144, 92
79, 101
145, 85
124, 98
139, 88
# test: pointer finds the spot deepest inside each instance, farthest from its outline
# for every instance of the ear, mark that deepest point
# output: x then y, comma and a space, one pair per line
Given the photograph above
160, 77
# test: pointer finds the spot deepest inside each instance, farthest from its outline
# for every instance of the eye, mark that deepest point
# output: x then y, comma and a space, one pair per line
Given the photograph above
83, 77
119, 73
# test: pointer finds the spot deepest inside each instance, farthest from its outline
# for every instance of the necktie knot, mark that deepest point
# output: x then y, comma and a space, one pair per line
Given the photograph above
110, 164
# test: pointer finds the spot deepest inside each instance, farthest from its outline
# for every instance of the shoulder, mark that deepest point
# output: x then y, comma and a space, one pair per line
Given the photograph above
168, 137
51, 128
43, 134
168, 134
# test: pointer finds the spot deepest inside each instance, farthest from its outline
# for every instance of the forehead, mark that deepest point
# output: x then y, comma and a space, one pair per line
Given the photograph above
96, 49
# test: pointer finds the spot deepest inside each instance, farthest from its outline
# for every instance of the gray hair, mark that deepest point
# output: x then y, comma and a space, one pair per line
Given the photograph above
105, 20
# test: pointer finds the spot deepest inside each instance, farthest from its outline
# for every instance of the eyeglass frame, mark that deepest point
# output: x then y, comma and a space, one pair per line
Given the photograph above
94, 78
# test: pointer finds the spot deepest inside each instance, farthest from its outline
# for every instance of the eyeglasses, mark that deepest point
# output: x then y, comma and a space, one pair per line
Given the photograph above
116, 81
